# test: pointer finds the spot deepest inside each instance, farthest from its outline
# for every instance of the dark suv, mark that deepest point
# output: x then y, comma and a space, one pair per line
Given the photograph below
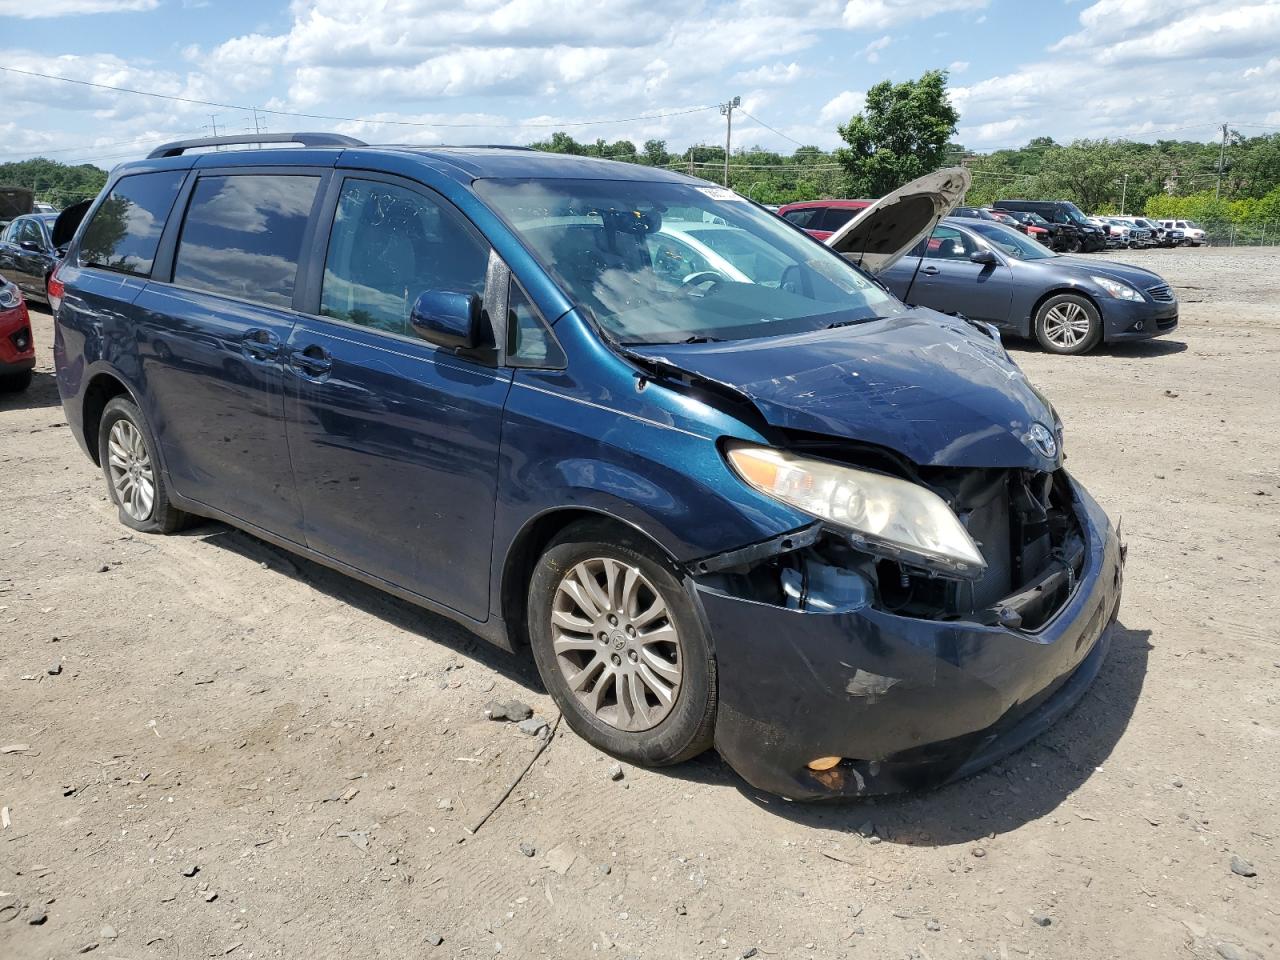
723, 485
1078, 234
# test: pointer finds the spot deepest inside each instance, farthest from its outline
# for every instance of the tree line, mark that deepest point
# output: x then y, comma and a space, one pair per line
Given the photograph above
906, 130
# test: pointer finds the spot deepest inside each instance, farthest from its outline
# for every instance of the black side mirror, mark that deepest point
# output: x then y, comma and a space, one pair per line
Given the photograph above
447, 319
982, 256
30, 245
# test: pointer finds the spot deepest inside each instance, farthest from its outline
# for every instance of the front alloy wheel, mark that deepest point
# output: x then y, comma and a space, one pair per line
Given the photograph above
1068, 324
620, 644
616, 644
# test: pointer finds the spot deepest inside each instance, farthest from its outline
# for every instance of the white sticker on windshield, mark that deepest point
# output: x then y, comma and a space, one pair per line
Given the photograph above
720, 193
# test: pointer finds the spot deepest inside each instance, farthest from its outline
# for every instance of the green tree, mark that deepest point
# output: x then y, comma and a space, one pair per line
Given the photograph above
901, 134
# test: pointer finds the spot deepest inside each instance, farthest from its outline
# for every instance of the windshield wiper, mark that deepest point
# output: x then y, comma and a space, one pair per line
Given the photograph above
700, 338
850, 323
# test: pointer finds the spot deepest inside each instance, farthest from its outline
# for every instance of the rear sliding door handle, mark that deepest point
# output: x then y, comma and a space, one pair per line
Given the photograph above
313, 360
929, 270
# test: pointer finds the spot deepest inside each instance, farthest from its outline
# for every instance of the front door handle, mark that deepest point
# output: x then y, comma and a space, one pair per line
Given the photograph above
929, 270
313, 360
261, 344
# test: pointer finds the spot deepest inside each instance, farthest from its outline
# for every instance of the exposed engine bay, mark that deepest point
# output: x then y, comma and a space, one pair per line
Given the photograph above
1023, 522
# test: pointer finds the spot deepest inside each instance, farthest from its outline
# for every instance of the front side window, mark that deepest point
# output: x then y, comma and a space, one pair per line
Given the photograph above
596, 237
243, 236
949, 244
388, 246
30, 232
126, 227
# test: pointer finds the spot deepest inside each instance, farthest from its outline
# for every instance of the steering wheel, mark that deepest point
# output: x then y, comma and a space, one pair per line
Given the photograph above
700, 277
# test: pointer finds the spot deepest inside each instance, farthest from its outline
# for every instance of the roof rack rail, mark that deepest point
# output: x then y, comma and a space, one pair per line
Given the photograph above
179, 147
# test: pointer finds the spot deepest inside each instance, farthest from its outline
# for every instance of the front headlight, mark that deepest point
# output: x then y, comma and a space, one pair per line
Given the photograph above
9, 297
883, 514
1118, 289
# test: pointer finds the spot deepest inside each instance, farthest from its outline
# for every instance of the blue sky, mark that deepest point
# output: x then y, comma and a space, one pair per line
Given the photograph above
513, 70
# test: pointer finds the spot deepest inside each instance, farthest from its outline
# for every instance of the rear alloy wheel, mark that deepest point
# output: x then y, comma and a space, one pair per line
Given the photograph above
620, 648
1068, 324
134, 479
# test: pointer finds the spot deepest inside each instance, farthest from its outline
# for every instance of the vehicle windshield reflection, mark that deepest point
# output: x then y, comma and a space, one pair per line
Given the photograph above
661, 262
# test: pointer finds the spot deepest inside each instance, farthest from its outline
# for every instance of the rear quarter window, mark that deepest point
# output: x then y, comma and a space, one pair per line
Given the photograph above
242, 236
126, 227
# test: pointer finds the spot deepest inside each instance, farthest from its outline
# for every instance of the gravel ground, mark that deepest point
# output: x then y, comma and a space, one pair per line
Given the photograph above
209, 747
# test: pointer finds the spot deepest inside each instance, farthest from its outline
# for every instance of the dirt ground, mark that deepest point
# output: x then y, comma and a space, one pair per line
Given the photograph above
314, 750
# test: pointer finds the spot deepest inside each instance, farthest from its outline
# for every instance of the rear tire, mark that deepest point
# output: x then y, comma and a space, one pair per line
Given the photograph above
15, 382
607, 658
1068, 324
135, 481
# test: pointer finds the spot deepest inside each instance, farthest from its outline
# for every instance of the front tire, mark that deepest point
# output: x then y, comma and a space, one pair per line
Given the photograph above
1068, 324
620, 646
135, 482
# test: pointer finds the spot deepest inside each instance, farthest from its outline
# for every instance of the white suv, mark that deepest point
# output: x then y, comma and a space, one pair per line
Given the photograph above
1192, 234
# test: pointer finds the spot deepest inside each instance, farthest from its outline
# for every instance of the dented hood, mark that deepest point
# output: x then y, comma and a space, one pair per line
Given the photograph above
934, 388
882, 234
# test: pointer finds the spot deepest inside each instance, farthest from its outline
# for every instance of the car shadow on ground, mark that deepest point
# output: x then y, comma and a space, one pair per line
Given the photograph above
43, 392
1135, 348
1025, 786
401, 614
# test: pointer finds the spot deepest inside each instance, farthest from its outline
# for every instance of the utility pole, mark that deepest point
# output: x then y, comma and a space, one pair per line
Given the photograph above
213, 123
1222, 159
726, 111
1124, 190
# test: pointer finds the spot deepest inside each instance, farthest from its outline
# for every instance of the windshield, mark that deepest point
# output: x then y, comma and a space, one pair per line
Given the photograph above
1145, 224
1074, 215
1010, 242
661, 262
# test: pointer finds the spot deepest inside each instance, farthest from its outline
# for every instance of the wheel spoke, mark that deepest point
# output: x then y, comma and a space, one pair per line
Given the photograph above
659, 666
592, 586
578, 593
651, 680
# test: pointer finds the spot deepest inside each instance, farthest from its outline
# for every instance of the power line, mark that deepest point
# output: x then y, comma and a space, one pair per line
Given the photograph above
337, 119
778, 132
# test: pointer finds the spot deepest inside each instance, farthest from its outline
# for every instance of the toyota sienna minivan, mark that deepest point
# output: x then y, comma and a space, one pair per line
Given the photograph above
722, 486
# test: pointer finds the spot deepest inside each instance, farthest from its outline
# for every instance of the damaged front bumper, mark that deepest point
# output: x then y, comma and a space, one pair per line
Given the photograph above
906, 703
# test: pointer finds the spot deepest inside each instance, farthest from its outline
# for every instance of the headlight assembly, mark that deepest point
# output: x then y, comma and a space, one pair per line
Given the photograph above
1118, 289
9, 297
883, 514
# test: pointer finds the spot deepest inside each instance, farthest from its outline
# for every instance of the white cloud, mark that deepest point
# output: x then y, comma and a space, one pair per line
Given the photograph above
878, 14
958, 66
842, 106
33, 9
872, 50
772, 74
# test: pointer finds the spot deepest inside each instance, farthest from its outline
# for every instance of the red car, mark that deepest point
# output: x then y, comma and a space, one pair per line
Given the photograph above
17, 349
821, 218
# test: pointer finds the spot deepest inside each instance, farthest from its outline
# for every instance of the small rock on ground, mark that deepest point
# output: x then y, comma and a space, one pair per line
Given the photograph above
528, 849
532, 727
1041, 919
1242, 867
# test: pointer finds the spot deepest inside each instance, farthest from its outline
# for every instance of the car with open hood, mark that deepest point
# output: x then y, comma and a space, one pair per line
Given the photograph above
741, 497
991, 273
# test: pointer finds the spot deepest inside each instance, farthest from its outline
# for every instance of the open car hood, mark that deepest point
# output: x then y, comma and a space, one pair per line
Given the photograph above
64, 228
883, 233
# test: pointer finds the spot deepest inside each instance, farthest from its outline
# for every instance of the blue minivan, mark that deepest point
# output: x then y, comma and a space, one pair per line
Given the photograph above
722, 486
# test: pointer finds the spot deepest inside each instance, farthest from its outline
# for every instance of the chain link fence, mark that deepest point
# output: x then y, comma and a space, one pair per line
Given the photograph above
1222, 233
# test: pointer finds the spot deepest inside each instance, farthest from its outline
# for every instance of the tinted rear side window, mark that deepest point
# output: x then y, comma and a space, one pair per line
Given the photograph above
836, 217
804, 217
243, 236
125, 229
